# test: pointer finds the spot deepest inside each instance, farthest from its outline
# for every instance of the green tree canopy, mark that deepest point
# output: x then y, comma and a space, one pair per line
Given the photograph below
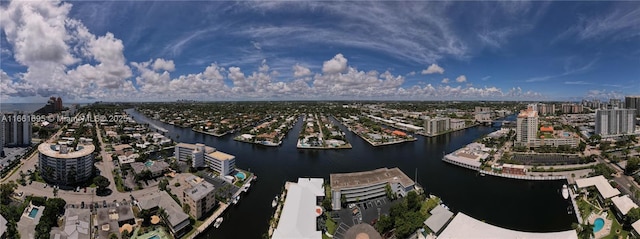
101, 182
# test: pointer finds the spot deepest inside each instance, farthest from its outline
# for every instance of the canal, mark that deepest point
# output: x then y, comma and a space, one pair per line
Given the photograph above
509, 203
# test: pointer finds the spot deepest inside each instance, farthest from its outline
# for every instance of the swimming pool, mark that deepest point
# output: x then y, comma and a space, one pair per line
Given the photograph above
154, 237
241, 175
33, 212
598, 224
148, 163
566, 134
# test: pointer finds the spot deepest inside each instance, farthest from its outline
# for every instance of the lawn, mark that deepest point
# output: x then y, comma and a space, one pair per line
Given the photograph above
585, 208
331, 226
428, 205
615, 227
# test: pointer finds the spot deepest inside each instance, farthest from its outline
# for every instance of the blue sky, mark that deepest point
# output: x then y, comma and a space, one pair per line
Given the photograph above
143, 50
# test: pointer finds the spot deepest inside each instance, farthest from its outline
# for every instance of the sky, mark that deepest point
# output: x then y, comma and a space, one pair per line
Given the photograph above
346, 50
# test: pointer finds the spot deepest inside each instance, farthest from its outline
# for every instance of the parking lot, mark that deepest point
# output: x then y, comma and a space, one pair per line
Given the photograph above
363, 212
10, 153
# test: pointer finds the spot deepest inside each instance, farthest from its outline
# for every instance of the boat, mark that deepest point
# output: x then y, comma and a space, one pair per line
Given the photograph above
274, 203
565, 191
255, 178
218, 221
236, 199
569, 211
245, 188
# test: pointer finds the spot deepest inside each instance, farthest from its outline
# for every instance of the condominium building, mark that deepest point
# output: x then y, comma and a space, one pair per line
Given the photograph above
202, 155
438, 125
482, 114
571, 108
177, 221
369, 184
456, 124
632, 102
200, 196
61, 164
546, 109
526, 126
16, 129
615, 122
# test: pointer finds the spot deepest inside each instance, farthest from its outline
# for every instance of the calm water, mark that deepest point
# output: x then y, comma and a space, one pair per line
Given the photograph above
514, 204
26, 107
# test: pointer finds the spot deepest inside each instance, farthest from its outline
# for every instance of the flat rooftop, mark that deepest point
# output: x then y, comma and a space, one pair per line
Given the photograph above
463, 226
601, 184
199, 191
623, 203
221, 156
52, 150
359, 179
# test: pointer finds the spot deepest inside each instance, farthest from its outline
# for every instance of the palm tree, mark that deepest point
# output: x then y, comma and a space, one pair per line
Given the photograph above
585, 231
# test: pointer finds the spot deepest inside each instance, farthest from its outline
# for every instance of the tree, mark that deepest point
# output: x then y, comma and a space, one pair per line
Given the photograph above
343, 200
413, 201
586, 231
633, 164
101, 182
6, 190
186, 208
633, 215
163, 184
146, 214
384, 224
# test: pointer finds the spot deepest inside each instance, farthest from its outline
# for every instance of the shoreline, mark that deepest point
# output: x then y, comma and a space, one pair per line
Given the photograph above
447, 132
209, 133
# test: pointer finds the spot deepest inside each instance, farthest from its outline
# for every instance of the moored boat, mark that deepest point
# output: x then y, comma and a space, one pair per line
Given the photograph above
565, 191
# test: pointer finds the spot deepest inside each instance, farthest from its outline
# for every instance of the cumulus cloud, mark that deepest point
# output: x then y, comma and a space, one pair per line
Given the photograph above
300, 71
336, 65
63, 57
461, 79
432, 69
52, 47
162, 64
445, 81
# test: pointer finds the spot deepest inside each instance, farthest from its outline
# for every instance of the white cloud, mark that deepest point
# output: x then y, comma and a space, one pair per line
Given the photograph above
300, 71
413, 73
432, 69
162, 64
264, 67
461, 79
445, 81
336, 65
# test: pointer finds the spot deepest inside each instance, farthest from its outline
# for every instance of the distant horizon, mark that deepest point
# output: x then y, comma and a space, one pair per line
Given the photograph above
315, 50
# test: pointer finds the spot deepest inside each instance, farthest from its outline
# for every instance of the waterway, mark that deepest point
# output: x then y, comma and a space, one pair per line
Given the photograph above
510, 203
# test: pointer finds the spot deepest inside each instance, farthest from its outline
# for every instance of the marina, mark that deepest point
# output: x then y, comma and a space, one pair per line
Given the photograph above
425, 154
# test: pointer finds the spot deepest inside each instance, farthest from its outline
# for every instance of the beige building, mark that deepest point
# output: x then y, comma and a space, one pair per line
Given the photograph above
200, 196
202, 155
360, 186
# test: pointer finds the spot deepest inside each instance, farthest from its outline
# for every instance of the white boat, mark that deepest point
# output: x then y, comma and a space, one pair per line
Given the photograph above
218, 221
565, 191
245, 188
274, 203
236, 199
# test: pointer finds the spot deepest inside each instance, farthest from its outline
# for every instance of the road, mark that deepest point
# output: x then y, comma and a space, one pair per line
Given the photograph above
105, 166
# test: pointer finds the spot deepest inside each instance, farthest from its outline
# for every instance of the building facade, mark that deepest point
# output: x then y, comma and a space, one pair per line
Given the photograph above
60, 164
546, 109
205, 156
526, 127
438, 125
16, 129
200, 197
632, 102
366, 185
457, 124
615, 122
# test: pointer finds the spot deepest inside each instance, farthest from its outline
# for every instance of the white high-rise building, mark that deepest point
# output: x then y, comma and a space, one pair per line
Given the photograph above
615, 122
16, 129
205, 156
526, 126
